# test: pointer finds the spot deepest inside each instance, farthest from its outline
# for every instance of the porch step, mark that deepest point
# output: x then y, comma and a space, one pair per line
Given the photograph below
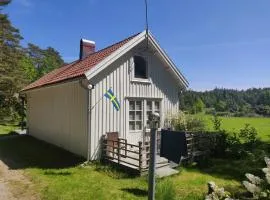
166, 171
161, 162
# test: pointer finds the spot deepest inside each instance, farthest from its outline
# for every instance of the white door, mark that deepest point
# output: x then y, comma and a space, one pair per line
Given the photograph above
138, 123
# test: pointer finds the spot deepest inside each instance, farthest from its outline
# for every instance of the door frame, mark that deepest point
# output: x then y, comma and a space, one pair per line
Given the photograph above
139, 134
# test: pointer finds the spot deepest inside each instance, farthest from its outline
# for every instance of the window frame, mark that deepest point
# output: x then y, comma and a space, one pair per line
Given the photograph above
144, 110
136, 79
153, 109
135, 110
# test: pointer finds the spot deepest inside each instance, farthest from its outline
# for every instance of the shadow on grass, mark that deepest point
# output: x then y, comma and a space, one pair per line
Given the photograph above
53, 173
136, 191
23, 151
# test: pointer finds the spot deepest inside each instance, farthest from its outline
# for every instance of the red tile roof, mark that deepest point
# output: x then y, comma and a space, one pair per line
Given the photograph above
78, 67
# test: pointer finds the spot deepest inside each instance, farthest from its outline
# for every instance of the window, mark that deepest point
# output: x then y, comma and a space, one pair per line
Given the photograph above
135, 115
140, 67
152, 106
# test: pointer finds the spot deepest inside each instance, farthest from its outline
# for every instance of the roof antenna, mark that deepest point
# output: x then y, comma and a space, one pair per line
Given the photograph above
146, 21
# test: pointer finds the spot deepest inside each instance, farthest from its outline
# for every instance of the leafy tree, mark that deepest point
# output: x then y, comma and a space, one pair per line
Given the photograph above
44, 60
198, 106
19, 66
220, 106
12, 77
239, 102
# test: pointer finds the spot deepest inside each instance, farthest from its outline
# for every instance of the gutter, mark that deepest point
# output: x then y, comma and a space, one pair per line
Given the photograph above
89, 89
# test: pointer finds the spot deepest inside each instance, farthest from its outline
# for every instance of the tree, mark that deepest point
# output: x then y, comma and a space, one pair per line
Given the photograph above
11, 74
198, 106
44, 60
220, 106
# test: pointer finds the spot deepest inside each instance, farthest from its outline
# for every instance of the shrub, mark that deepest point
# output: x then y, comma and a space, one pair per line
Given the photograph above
183, 122
217, 123
210, 111
241, 144
216, 193
248, 134
258, 187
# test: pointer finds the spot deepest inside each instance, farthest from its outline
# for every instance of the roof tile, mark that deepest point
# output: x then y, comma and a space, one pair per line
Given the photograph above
78, 67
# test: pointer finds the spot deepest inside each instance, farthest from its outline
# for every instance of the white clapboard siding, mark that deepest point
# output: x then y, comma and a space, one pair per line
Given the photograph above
118, 76
58, 114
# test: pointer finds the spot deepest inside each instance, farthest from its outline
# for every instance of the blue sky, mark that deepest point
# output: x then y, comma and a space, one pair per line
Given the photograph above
215, 43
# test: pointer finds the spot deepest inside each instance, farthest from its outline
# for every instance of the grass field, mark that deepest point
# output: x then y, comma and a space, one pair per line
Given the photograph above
262, 125
57, 174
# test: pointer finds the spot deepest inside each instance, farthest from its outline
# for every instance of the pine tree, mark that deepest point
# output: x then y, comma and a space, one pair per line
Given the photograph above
12, 77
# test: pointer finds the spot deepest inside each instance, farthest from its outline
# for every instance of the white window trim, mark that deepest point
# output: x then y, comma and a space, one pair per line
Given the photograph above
139, 80
144, 111
142, 117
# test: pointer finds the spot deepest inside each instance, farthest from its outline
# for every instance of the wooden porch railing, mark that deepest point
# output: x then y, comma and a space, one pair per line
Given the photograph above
126, 154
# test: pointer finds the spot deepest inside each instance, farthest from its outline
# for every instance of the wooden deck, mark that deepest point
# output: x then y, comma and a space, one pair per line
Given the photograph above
135, 157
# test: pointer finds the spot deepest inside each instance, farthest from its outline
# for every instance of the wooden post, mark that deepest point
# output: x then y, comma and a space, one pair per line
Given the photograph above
113, 148
118, 150
125, 147
140, 157
103, 151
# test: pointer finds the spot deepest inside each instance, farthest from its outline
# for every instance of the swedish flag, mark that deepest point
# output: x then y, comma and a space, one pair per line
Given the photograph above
109, 94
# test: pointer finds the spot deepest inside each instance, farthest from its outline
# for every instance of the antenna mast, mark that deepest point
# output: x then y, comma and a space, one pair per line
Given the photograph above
146, 21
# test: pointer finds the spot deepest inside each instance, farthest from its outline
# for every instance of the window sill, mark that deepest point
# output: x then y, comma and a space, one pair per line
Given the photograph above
148, 130
141, 80
135, 131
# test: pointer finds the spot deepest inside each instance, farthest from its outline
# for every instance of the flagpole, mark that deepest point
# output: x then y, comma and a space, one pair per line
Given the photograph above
99, 100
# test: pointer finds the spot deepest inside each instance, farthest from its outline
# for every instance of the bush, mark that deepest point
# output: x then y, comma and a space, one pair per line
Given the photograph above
183, 122
217, 123
210, 111
241, 144
248, 134
258, 187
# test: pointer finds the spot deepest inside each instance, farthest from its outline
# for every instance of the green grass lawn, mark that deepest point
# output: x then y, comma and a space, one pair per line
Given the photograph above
262, 125
57, 174
7, 128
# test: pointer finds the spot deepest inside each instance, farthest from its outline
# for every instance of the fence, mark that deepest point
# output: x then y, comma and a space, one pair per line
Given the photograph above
128, 155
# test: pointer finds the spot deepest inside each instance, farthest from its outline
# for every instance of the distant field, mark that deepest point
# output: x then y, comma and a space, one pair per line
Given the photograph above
236, 123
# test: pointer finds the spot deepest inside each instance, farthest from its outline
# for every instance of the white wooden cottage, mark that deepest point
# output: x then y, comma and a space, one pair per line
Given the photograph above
67, 106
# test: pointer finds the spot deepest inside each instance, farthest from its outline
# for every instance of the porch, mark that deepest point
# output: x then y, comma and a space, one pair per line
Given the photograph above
133, 156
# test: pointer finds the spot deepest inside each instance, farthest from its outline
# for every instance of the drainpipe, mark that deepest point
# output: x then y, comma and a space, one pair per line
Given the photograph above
89, 89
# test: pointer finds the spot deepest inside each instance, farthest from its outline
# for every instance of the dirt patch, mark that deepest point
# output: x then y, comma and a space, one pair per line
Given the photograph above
15, 185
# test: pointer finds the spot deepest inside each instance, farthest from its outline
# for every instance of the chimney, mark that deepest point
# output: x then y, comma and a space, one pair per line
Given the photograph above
87, 47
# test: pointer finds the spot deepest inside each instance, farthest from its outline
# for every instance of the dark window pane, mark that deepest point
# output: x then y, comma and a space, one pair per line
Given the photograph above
140, 67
